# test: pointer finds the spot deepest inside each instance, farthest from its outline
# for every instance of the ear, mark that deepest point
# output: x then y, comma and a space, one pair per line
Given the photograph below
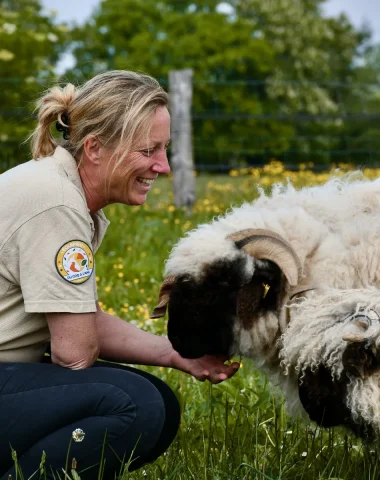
260, 293
91, 150
163, 297
247, 303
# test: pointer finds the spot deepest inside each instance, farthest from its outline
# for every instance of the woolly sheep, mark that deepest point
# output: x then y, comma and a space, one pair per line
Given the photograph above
290, 280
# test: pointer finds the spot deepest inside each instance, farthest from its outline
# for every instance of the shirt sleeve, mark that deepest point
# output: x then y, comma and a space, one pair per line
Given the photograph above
56, 262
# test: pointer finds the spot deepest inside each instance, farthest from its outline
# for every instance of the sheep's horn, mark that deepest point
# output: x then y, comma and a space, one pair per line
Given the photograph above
163, 297
368, 325
267, 245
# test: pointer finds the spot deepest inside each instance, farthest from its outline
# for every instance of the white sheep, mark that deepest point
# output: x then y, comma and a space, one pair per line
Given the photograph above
290, 280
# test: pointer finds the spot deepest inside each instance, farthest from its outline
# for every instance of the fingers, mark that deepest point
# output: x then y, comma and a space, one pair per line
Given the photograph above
220, 374
231, 370
212, 368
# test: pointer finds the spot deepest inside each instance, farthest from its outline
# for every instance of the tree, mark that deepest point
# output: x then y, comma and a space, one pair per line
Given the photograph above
361, 137
156, 37
260, 68
30, 44
314, 71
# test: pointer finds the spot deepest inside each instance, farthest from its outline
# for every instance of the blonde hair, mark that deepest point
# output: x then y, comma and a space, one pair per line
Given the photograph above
114, 106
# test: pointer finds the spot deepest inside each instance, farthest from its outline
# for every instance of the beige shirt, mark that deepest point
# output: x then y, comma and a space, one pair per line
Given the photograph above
47, 242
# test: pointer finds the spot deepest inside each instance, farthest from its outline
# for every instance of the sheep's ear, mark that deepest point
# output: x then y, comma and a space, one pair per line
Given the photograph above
247, 303
267, 245
163, 297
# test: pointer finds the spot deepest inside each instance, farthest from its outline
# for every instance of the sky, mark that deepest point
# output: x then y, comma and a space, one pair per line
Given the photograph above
358, 12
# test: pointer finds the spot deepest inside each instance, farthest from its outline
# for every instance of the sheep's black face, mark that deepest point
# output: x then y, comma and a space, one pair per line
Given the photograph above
202, 314
323, 398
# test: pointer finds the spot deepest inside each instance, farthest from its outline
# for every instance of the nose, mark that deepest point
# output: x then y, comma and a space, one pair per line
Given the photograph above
161, 163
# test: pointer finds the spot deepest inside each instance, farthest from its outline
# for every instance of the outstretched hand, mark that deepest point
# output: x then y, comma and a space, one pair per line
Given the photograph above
208, 367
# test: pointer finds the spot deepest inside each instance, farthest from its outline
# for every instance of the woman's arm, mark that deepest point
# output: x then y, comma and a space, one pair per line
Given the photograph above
74, 339
78, 339
122, 342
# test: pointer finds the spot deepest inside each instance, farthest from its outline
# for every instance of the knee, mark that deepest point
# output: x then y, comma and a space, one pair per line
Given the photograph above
156, 413
172, 416
132, 392
172, 408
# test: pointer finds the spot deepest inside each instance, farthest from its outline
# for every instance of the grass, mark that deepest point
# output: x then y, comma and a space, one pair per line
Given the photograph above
237, 430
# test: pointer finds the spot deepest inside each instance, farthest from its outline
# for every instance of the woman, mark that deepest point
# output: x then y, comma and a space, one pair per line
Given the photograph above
116, 130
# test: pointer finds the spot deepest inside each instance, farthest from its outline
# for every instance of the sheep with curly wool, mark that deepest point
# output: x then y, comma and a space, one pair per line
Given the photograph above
290, 280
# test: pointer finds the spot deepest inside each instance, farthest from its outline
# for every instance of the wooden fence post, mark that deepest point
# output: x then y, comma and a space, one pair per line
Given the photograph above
182, 162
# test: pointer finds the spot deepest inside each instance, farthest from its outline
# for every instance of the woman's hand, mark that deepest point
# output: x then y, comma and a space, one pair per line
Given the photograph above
209, 367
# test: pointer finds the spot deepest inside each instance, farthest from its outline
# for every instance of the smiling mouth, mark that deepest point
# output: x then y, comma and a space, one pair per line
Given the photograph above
145, 181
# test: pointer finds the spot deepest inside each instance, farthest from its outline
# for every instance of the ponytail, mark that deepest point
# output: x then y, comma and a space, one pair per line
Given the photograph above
53, 106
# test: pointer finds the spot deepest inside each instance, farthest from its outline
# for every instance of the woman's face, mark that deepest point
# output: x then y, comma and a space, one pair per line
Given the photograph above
130, 182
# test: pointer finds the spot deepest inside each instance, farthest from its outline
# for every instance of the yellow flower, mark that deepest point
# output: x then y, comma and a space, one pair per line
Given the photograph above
108, 288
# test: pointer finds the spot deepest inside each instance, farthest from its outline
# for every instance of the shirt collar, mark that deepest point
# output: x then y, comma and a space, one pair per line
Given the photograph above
98, 220
70, 167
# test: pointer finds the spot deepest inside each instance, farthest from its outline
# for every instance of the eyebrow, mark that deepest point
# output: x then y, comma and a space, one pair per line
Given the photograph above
155, 143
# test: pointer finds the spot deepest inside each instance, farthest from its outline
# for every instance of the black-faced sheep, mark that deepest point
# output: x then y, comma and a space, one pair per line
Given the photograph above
290, 280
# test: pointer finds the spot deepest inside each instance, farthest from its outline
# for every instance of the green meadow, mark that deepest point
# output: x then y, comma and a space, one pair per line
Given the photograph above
239, 429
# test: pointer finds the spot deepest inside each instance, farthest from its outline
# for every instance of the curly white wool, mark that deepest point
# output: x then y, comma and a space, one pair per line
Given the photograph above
335, 231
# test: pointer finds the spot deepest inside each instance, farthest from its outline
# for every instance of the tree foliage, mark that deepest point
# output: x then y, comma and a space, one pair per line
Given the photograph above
30, 44
272, 78
261, 69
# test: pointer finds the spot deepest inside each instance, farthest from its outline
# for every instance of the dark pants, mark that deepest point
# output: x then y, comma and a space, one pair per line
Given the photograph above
42, 404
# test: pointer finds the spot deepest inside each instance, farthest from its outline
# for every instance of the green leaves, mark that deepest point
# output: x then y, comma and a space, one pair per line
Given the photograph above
30, 47
272, 79
258, 66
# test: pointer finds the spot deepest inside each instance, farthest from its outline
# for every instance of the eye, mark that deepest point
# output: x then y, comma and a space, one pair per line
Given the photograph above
147, 152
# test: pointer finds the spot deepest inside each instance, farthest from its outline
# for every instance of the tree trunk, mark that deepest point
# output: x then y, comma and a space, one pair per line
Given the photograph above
182, 163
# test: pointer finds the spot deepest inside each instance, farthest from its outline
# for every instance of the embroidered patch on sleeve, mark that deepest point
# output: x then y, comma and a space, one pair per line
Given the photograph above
75, 261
